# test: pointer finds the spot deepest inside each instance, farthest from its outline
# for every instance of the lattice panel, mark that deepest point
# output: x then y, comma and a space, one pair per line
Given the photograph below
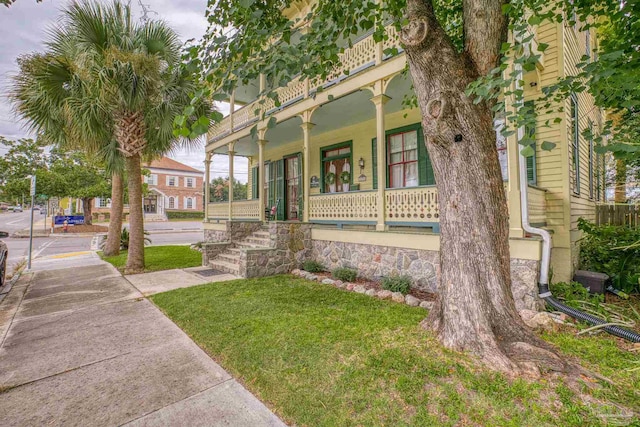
412, 205
352, 206
294, 90
394, 39
246, 209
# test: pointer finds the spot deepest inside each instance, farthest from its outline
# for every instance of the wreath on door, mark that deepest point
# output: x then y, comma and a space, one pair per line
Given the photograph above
345, 177
330, 178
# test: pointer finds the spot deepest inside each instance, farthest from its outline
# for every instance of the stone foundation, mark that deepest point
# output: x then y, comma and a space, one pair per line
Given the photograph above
374, 262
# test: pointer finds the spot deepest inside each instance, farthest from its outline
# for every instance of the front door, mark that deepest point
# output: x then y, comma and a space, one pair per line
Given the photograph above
151, 204
293, 189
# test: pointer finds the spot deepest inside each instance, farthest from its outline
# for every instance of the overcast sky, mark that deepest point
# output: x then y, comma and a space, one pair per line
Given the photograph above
23, 29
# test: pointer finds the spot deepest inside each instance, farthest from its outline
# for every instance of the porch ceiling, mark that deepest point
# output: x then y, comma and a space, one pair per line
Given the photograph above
345, 111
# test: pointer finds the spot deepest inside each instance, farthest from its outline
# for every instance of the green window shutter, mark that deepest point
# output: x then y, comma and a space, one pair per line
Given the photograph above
300, 189
532, 177
254, 183
374, 162
425, 168
279, 185
530, 132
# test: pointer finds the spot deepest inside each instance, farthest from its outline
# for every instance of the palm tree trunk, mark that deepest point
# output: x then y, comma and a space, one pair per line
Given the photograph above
135, 257
112, 247
86, 210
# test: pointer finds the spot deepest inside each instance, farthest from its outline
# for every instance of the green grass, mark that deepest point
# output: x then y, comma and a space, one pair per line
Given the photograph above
319, 356
158, 258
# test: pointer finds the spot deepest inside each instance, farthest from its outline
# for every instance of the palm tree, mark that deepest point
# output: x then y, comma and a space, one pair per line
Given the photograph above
106, 79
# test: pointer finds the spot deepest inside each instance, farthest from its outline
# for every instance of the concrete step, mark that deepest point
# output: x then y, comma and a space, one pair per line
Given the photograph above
248, 245
224, 266
235, 251
258, 241
262, 234
230, 257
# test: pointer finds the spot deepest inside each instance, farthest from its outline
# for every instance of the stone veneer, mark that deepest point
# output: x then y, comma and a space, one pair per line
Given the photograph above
374, 262
235, 231
290, 246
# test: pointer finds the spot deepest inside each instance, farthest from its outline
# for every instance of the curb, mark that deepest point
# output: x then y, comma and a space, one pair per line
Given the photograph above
7, 286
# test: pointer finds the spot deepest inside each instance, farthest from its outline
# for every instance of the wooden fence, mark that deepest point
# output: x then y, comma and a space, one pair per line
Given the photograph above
628, 215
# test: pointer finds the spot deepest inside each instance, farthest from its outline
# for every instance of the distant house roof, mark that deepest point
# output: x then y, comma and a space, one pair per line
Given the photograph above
170, 164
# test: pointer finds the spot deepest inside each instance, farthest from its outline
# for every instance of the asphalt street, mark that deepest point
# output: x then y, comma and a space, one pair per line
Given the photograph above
162, 233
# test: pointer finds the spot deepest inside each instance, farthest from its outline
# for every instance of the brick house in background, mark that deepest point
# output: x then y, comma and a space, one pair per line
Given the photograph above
173, 186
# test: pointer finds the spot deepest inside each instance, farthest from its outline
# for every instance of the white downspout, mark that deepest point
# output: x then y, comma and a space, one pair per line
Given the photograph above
524, 203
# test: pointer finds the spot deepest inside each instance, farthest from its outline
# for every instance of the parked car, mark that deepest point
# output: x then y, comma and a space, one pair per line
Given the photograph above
4, 254
15, 208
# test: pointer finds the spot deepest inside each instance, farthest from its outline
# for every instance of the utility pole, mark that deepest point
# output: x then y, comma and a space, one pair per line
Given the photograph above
33, 199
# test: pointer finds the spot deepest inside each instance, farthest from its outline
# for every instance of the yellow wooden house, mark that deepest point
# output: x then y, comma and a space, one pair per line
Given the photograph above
346, 171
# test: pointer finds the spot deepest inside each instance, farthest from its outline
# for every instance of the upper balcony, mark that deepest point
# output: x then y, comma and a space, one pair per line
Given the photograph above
364, 54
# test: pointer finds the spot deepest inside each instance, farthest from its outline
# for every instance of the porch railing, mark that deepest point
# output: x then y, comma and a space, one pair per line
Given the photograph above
246, 209
240, 209
355, 206
412, 205
537, 198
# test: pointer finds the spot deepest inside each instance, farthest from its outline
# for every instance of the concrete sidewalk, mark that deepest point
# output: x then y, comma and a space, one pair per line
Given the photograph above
81, 346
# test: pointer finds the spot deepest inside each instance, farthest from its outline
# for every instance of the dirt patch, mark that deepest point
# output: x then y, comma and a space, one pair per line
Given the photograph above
370, 284
82, 229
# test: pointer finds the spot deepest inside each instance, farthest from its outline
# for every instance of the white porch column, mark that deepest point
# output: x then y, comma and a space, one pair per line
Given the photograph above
207, 180
231, 157
232, 107
306, 171
261, 143
379, 100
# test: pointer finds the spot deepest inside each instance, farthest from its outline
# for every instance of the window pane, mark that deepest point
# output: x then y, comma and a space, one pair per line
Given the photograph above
396, 157
395, 144
345, 150
411, 155
411, 140
411, 174
396, 176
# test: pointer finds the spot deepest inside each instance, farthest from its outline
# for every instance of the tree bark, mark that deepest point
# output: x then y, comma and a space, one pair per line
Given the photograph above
112, 246
620, 195
86, 210
135, 256
475, 310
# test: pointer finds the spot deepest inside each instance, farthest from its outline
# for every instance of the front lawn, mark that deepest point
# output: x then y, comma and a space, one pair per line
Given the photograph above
320, 356
161, 258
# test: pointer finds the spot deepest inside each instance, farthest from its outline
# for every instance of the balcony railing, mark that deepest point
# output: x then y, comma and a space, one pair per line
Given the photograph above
352, 61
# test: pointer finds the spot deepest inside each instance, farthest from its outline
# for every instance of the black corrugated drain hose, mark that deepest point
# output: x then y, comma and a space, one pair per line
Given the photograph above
546, 295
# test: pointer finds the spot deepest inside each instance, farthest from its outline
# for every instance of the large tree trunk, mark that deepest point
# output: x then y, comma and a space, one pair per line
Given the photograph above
112, 246
475, 310
620, 195
135, 256
86, 210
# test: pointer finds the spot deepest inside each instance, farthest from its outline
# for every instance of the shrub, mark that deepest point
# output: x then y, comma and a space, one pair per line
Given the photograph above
614, 250
345, 274
397, 283
312, 266
184, 214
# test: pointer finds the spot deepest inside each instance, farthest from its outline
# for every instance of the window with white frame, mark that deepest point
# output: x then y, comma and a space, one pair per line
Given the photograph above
499, 124
151, 179
172, 181
172, 203
189, 204
189, 182
403, 159
98, 202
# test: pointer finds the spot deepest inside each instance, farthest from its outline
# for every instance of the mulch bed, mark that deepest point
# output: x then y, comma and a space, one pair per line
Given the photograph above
82, 229
370, 284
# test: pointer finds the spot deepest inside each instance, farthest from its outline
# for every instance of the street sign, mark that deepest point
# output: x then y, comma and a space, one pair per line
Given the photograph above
33, 185
71, 219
